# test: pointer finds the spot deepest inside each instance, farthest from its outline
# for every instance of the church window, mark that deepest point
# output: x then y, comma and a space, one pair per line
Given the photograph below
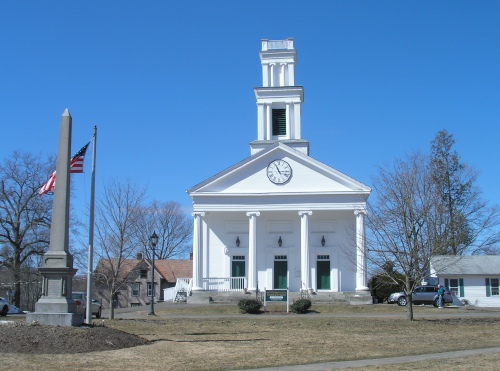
279, 121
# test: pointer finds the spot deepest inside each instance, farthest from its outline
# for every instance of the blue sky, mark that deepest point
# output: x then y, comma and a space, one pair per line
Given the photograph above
170, 84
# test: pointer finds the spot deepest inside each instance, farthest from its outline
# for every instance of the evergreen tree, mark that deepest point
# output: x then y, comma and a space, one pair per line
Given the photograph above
462, 221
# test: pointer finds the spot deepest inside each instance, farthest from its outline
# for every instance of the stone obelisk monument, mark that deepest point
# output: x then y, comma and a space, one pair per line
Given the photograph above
56, 307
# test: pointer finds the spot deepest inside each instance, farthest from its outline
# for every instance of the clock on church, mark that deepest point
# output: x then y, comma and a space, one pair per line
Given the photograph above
279, 171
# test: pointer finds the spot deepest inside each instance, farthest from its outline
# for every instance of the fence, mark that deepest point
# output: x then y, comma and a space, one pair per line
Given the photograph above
224, 283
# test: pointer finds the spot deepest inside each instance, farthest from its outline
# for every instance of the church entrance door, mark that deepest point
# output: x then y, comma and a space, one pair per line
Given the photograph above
237, 270
280, 274
323, 275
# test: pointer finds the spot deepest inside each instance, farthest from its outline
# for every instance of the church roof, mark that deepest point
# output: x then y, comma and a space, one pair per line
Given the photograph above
350, 184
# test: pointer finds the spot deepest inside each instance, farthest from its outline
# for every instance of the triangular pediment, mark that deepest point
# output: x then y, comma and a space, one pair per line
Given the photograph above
308, 176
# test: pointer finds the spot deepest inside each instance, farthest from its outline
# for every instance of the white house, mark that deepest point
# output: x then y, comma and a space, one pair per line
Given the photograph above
279, 219
473, 278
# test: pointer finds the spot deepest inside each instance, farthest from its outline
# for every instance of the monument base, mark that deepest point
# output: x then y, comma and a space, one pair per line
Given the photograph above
55, 319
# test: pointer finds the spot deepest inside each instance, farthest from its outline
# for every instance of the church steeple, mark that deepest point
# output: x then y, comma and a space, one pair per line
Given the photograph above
279, 101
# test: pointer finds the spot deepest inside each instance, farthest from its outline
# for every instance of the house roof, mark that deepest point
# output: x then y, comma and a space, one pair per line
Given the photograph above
173, 269
127, 266
170, 270
466, 265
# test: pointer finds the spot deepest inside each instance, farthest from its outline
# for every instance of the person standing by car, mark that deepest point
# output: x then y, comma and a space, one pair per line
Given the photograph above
441, 292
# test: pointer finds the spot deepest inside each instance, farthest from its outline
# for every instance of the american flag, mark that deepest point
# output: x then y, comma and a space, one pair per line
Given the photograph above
75, 166
76, 163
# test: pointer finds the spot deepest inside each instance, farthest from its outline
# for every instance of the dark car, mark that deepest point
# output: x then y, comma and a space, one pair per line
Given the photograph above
421, 295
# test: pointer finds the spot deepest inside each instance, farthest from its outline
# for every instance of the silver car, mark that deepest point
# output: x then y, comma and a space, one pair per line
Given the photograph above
4, 307
80, 299
421, 295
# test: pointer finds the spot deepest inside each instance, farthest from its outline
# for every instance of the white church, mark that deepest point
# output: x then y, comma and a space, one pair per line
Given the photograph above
279, 219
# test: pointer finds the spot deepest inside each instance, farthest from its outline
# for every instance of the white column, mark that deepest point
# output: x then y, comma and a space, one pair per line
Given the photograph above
269, 122
197, 252
265, 75
252, 249
360, 251
291, 74
296, 121
305, 269
288, 121
282, 74
261, 119
273, 73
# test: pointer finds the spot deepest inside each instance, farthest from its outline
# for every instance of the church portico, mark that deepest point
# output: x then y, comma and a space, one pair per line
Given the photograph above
308, 248
279, 218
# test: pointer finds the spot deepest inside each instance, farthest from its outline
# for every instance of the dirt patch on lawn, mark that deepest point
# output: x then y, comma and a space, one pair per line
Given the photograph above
37, 339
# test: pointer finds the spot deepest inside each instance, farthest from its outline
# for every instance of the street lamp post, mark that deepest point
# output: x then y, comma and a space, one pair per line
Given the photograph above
153, 240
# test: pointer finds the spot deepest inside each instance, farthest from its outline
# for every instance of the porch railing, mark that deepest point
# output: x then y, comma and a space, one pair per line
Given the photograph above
182, 284
224, 283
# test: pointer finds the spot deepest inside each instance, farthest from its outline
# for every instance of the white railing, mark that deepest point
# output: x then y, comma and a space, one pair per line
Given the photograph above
169, 294
182, 284
224, 283
277, 44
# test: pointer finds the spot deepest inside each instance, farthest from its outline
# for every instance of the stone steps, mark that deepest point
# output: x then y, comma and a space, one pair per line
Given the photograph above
339, 298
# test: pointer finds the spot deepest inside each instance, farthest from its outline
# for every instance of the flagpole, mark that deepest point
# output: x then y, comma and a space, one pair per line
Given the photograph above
90, 269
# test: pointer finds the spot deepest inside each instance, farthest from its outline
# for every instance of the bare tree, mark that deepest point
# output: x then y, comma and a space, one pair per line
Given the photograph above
398, 222
119, 212
428, 206
171, 225
464, 222
24, 216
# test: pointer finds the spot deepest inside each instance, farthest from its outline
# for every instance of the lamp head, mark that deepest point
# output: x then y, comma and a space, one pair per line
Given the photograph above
153, 239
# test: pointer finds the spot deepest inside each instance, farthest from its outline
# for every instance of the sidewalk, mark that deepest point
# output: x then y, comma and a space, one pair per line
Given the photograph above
379, 361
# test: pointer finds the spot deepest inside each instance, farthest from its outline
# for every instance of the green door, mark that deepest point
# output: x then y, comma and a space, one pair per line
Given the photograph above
280, 274
237, 270
323, 275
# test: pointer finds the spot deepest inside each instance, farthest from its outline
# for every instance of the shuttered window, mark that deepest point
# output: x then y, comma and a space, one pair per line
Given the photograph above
279, 121
455, 285
494, 287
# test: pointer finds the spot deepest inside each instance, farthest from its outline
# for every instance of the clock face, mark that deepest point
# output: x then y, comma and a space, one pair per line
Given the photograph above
279, 171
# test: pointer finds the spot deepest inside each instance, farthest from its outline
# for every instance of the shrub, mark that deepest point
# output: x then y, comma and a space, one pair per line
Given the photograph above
300, 306
382, 285
251, 306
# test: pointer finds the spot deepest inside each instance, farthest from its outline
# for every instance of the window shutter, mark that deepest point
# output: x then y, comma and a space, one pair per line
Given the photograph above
461, 283
446, 283
488, 288
279, 121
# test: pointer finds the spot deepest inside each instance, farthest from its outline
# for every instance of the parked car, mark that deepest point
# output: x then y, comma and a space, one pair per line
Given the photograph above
4, 307
421, 295
15, 310
80, 299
